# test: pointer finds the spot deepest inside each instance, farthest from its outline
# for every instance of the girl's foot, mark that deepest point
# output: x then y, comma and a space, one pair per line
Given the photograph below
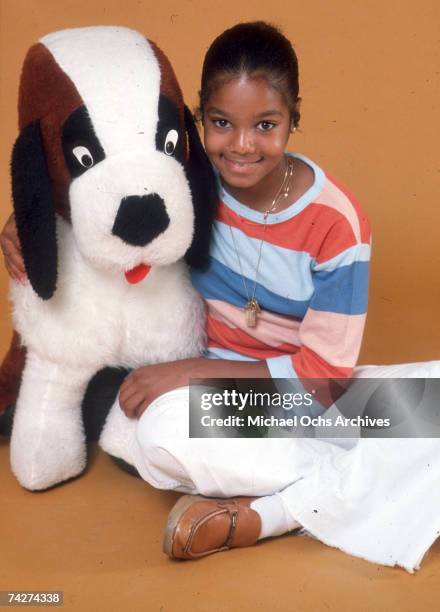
198, 526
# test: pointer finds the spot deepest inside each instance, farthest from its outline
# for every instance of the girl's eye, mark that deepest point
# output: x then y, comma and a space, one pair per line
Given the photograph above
84, 156
170, 142
221, 123
266, 126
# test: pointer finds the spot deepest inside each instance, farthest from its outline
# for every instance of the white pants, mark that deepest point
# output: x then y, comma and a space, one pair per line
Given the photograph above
378, 499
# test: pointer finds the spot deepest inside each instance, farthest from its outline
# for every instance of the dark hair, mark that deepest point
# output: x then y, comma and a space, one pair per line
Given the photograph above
257, 49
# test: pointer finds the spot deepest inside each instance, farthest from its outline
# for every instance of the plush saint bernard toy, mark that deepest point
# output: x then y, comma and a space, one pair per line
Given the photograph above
111, 189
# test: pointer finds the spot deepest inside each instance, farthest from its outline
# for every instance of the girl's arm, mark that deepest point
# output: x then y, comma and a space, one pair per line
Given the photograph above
331, 331
145, 384
11, 249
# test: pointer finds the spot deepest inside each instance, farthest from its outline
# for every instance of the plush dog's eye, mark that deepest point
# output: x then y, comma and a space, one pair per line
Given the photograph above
171, 141
84, 156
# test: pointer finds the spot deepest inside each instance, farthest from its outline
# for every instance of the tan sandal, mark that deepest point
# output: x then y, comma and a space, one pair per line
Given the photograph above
199, 526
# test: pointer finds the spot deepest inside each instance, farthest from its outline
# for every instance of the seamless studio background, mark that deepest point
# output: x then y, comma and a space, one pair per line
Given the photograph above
370, 87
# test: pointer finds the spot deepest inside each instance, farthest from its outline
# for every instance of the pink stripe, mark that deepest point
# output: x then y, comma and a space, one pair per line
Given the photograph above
272, 330
333, 197
336, 338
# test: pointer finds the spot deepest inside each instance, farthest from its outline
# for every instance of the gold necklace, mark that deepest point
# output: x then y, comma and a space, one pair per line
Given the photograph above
252, 308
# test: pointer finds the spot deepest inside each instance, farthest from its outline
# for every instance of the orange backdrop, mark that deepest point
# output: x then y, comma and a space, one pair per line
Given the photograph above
370, 86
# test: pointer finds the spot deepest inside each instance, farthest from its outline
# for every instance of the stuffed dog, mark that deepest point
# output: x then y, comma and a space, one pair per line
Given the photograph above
111, 190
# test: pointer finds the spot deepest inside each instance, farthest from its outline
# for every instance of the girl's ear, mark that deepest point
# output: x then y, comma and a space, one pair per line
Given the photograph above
34, 210
203, 187
295, 115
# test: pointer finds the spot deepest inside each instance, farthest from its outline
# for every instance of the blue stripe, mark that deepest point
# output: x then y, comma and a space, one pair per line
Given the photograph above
281, 271
218, 282
343, 291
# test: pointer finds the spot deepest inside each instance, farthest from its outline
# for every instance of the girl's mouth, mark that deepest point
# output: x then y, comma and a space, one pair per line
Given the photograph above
240, 166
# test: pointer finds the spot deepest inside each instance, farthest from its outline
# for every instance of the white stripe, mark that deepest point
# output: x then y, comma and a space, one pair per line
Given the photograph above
220, 353
333, 197
359, 252
281, 367
117, 75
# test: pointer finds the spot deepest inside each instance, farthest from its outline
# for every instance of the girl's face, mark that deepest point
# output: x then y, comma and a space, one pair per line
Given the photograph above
246, 128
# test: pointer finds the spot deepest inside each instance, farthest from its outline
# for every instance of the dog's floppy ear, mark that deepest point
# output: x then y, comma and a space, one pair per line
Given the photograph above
203, 186
34, 210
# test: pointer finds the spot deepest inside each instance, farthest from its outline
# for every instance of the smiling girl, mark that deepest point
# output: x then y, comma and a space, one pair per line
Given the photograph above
286, 293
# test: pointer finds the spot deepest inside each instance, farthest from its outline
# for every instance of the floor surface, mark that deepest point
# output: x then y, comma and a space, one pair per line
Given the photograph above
98, 539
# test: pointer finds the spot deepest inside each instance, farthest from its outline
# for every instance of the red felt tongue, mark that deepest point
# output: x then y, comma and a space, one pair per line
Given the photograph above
137, 274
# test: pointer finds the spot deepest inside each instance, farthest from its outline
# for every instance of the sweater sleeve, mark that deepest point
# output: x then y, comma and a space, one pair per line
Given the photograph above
331, 331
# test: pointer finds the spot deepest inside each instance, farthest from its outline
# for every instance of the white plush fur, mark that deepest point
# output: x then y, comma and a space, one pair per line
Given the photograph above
117, 75
96, 318
95, 198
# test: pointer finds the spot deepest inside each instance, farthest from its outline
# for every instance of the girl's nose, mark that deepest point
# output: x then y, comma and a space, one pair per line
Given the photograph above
243, 142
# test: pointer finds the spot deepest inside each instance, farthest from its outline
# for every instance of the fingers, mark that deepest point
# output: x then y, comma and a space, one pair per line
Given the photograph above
127, 390
142, 386
134, 406
11, 249
131, 397
135, 394
15, 273
141, 409
14, 265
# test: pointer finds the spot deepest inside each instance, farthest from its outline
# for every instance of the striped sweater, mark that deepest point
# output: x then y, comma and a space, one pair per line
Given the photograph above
312, 283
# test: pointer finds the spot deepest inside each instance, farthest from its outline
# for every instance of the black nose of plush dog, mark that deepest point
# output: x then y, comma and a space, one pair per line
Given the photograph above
140, 219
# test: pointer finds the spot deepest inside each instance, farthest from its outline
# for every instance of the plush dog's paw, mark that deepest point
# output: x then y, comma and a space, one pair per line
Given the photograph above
42, 458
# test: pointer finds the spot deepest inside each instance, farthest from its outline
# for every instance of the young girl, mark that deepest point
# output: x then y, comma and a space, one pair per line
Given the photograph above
286, 293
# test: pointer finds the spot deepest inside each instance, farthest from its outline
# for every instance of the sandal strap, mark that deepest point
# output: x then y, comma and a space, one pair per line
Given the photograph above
233, 514
233, 525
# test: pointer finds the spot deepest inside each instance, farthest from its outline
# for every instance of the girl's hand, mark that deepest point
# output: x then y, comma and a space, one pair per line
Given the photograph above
10, 246
144, 385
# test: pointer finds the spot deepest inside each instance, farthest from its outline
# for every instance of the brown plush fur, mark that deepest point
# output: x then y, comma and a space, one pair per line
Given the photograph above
10, 373
169, 87
36, 103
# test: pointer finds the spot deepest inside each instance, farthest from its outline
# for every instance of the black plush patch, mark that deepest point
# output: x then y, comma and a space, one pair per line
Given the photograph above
98, 399
35, 210
169, 122
81, 147
203, 187
140, 219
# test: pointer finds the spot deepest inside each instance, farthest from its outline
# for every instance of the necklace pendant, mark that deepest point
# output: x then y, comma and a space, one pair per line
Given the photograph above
251, 311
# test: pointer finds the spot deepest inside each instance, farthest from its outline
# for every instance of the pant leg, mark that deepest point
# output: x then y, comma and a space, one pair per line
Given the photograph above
375, 498
167, 458
421, 369
379, 500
